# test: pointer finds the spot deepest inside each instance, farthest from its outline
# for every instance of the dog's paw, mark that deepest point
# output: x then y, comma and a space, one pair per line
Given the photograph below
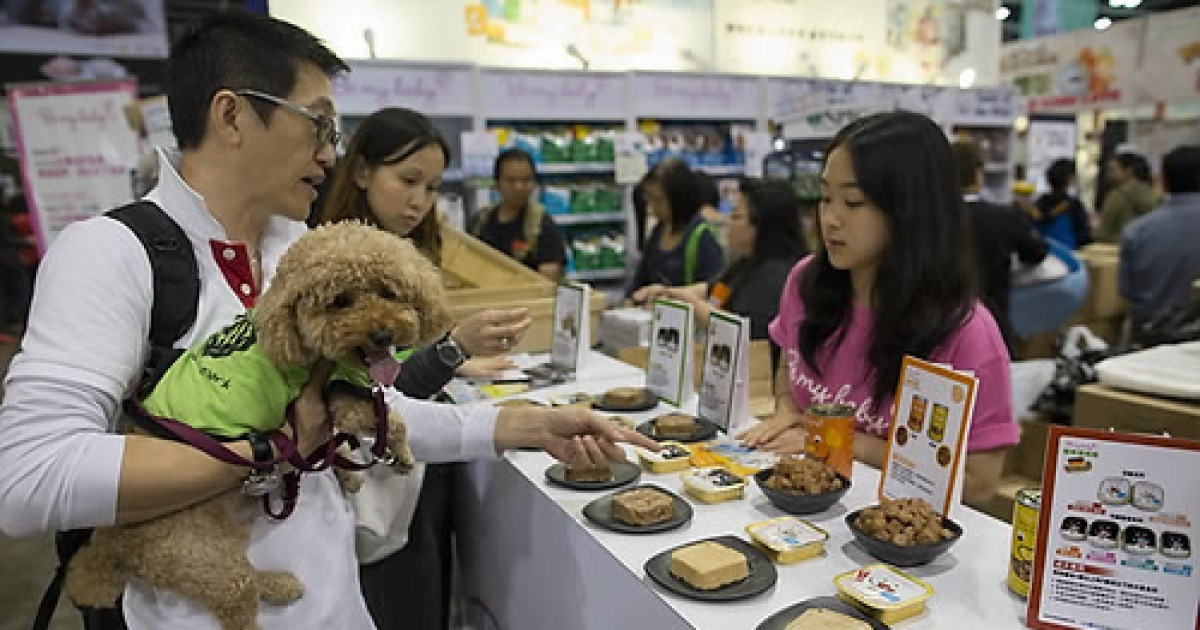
403, 459
351, 481
278, 587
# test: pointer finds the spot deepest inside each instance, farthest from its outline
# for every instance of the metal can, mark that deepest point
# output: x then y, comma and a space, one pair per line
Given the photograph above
1024, 539
830, 439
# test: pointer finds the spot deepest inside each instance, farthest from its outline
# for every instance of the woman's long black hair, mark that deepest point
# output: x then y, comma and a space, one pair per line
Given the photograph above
925, 286
775, 214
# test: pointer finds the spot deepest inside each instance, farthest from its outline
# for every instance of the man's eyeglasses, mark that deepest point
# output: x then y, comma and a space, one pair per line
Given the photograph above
327, 131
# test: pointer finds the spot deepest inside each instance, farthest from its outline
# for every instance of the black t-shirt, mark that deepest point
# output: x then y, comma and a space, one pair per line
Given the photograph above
510, 239
1000, 232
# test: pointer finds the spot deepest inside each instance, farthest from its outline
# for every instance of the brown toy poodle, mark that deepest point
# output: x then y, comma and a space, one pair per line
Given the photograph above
343, 293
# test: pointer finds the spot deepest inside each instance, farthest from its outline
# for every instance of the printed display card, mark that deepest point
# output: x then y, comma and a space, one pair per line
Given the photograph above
1114, 539
571, 335
669, 370
927, 445
725, 377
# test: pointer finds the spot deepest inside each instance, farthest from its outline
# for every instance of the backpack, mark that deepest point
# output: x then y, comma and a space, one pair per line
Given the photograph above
176, 282
691, 252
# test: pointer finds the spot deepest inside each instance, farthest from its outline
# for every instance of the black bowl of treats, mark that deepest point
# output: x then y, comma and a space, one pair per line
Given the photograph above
903, 532
799, 485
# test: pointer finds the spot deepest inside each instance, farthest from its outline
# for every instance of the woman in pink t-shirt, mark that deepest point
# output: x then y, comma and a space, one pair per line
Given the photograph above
894, 278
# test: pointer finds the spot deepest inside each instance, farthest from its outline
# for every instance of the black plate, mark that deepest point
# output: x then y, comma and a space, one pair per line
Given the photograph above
649, 401
796, 503
704, 430
762, 573
903, 555
600, 513
623, 473
781, 619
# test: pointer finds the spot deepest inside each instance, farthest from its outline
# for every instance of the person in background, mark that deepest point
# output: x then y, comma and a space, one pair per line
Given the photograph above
1059, 214
1160, 255
1131, 196
682, 248
519, 226
710, 207
15, 287
893, 280
252, 109
389, 178
1000, 233
765, 242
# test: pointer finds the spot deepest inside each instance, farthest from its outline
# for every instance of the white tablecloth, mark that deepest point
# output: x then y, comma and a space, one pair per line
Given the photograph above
532, 561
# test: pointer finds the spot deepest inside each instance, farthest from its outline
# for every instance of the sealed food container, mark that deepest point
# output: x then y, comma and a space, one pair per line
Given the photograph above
713, 484
884, 592
830, 436
788, 539
1024, 537
673, 457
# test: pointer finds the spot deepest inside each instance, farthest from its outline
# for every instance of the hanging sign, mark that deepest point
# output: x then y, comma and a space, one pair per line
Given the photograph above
715, 96
432, 90
508, 94
76, 150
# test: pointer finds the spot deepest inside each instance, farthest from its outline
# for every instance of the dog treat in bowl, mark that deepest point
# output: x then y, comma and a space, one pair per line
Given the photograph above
713, 484
709, 565
884, 592
595, 474
903, 522
673, 457
804, 476
787, 539
676, 425
643, 506
624, 397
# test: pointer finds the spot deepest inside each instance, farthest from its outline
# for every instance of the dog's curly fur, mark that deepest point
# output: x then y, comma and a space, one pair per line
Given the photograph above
339, 291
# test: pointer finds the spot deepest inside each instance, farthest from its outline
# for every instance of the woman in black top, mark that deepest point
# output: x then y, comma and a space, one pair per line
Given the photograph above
765, 242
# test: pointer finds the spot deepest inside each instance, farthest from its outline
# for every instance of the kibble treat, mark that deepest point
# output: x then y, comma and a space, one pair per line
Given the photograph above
585, 474
903, 522
672, 457
709, 565
624, 397
803, 476
825, 619
643, 506
676, 425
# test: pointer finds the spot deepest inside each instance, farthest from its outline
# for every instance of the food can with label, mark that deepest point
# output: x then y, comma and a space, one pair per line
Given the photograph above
830, 439
1024, 539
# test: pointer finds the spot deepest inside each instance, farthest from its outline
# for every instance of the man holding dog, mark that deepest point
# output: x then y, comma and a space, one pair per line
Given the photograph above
252, 107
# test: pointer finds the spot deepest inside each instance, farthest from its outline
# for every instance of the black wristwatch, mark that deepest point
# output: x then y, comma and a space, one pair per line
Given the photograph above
450, 353
263, 479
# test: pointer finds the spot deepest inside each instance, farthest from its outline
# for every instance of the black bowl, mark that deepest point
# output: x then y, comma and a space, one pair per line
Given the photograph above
796, 503
903, 555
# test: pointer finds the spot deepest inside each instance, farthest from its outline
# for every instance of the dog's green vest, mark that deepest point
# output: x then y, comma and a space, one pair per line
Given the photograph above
225, 386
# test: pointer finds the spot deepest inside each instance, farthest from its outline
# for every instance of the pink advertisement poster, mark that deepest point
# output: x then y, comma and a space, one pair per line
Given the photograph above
76, 150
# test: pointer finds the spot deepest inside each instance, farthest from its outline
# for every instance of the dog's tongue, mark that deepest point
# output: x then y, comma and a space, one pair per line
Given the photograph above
384, 368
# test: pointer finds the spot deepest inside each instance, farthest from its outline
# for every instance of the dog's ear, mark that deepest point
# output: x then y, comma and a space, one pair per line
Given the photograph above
278, 327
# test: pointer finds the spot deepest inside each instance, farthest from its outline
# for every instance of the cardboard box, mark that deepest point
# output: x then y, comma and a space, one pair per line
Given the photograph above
1102, 407
479, 277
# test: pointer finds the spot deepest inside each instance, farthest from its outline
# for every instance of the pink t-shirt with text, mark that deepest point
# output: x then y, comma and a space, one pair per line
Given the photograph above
846, 377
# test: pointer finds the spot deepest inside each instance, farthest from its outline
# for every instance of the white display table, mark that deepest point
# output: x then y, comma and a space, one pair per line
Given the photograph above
532, 561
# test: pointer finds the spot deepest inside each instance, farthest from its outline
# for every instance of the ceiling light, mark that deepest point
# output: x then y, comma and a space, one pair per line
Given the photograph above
966, 78
1002, 13
1102, 23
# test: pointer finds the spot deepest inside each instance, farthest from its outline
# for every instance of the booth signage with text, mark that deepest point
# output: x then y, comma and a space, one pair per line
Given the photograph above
725, 379
669, 368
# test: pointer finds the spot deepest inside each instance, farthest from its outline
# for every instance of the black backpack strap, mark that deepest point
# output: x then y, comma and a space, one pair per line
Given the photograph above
176, 295
176, 280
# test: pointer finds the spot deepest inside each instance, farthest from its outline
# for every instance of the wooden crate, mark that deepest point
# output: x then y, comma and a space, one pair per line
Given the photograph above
479, 277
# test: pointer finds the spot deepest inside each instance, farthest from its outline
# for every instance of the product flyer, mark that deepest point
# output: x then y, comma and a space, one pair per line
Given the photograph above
669, 371
570, 326
724, 398
929, 435
1114, 544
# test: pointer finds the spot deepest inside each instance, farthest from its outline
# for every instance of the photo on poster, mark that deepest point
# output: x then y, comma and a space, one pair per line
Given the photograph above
129, 28
668, 372
570, 307
723, 398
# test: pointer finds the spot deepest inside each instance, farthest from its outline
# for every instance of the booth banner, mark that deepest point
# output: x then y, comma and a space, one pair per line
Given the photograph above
937, 102
433, 90
907, 41
1170, 69
1077, 71
76, 150
996, 107
695, 96
516, 94
1047, 141
816, 108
